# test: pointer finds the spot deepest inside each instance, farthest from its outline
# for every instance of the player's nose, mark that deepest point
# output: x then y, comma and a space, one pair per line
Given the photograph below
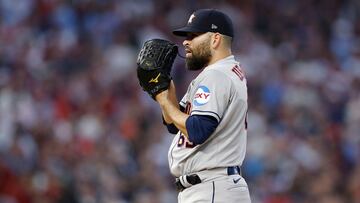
186, 43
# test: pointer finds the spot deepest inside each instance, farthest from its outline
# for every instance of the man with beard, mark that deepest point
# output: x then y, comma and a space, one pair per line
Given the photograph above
210, 122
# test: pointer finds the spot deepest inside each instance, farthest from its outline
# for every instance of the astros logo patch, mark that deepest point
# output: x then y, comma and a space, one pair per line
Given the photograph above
202, 96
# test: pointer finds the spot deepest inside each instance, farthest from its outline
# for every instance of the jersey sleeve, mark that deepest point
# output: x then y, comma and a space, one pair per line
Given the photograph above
212, 95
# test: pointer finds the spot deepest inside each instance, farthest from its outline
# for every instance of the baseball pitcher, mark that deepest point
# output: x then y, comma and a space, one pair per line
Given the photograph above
207, 152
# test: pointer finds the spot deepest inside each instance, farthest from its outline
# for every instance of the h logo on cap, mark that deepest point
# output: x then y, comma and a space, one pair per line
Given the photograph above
191, 18
207, 20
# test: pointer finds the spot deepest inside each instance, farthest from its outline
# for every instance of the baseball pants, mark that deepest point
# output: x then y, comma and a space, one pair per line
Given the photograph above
222, 189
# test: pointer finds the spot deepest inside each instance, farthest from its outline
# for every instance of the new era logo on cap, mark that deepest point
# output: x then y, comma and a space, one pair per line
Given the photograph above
213, 26
207, 20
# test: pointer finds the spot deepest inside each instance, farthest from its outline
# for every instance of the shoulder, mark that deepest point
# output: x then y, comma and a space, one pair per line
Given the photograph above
215, 79
215, 73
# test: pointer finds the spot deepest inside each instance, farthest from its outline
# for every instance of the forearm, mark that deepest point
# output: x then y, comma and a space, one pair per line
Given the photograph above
174, 115
166, 117
173, 100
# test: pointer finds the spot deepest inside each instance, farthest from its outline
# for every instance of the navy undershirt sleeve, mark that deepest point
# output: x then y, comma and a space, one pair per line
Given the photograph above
200, 127
172, 128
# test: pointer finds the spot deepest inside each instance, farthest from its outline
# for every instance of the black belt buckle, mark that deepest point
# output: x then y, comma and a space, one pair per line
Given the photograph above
178, 185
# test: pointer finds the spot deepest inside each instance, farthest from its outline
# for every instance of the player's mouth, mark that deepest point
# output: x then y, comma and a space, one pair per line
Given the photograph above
188, 52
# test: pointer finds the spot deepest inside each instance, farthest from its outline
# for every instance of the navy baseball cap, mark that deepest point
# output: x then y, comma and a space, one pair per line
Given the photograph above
207, 20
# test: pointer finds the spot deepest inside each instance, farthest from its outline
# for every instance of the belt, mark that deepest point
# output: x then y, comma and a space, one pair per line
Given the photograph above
185, 181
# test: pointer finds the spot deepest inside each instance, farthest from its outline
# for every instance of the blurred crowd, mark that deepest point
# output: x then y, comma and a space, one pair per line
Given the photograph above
76, 128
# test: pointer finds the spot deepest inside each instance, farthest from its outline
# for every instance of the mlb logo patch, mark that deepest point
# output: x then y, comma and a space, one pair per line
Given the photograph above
202, 96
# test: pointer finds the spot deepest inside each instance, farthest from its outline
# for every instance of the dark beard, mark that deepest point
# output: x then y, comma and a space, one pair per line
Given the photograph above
200, 57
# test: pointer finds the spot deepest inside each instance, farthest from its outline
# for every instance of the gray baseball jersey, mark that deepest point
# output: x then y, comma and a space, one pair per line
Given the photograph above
220, 91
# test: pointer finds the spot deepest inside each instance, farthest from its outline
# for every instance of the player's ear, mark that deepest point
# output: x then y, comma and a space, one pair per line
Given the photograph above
215, 40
